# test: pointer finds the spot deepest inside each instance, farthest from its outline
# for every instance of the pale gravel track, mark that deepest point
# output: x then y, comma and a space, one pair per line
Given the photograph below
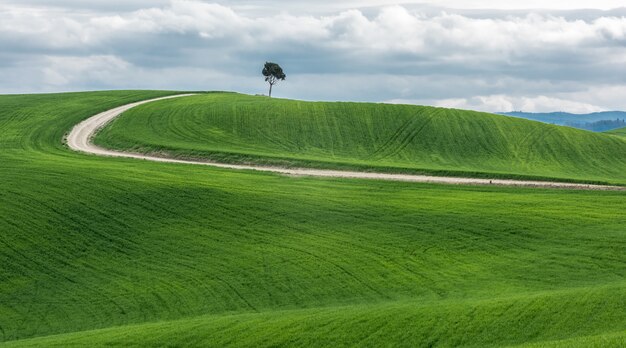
79, 139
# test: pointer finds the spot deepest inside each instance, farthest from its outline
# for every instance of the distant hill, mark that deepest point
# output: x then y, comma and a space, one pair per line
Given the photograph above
597, 121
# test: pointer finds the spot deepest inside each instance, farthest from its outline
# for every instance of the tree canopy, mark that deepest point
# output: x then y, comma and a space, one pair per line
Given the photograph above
273, 73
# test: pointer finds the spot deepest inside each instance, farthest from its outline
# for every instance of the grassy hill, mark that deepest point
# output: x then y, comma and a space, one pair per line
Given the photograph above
620, 132
402, 138
107, 251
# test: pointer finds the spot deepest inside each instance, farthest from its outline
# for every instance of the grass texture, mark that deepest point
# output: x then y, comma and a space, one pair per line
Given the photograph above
621, 132
99, 251
402, 138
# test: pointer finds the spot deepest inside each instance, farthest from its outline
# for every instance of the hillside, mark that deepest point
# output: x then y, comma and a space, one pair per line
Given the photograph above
401, 138
102, 251
620, 132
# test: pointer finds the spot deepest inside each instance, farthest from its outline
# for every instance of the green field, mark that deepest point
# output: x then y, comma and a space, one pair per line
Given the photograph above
238, 128
99, 251
620, 132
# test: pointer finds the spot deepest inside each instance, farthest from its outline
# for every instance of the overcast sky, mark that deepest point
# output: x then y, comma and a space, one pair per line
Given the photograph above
487, 55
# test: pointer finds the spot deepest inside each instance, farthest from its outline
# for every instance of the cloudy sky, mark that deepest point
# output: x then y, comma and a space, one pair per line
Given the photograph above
487, 55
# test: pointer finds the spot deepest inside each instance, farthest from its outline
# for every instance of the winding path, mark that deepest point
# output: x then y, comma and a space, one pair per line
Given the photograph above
80, 137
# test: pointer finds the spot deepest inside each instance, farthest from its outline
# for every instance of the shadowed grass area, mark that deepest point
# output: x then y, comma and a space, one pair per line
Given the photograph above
109, 251
401, 138
487, 323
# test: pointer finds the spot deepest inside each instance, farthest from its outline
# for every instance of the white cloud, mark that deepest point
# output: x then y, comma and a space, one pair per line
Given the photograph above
504, 103
63, 71
524, 60
394, 28
334, 5
181, 16
530, 4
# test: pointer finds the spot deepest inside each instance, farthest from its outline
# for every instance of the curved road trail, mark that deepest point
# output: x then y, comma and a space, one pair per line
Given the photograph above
80, 137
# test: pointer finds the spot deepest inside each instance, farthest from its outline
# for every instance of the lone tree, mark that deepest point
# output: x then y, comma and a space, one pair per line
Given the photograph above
273, 73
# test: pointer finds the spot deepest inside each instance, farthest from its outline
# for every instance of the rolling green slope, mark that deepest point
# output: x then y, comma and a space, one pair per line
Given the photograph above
406, 324
240, 128
109, 251
620, 132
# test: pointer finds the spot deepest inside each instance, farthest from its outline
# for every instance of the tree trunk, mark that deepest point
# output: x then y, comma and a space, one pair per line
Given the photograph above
271, 90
